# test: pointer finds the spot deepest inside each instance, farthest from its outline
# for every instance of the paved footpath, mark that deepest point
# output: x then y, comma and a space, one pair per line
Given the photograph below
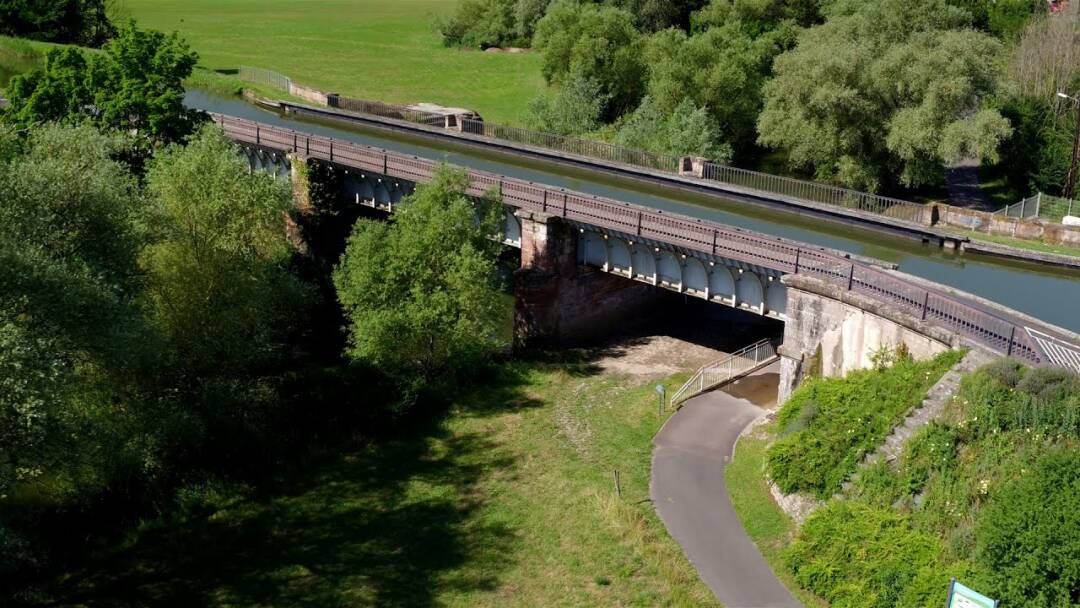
690, 495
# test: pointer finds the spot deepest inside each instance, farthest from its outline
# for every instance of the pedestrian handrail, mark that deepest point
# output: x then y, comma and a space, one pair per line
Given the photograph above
1044, 206
817, 192
963, 316
711, 375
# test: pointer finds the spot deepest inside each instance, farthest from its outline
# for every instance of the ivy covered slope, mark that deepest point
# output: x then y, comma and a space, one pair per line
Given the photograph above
830, 424
990, 495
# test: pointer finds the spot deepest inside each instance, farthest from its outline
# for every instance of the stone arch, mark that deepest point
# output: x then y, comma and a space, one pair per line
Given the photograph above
511, 228
749, 291
722, 284
594, 250
670, 270
644, 264
619, 258
364, 189
695, 277
396, 194
776, 298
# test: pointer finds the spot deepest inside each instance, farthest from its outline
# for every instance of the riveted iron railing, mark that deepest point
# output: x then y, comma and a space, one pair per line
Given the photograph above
714, 374
954, 313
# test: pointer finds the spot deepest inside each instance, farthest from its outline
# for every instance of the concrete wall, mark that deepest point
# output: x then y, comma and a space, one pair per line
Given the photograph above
831, 332
981, 221
309, 94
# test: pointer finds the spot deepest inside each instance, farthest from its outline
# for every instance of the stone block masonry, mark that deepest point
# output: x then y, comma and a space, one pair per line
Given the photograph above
557, 301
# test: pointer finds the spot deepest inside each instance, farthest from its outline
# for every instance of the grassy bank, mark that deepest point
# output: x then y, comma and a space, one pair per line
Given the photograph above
374, 49
509, 500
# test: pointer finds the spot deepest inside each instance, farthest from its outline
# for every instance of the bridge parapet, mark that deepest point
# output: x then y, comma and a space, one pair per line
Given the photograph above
1003, 332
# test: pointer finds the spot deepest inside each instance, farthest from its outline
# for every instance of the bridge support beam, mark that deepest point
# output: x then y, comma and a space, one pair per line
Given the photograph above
556, 301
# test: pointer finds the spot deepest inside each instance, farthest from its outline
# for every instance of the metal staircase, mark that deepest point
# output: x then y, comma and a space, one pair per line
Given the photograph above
714, 374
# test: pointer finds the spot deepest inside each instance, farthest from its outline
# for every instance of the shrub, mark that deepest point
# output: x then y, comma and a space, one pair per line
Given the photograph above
853, 554
854, 415
574, 110
1043, 401
1028, 536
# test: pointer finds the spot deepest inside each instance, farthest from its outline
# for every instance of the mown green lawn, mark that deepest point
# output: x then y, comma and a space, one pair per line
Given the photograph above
506, 501
387, 50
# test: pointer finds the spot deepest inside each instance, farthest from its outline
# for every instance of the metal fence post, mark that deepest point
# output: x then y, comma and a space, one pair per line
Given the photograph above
851, 277
1038, 204
797, 252
925, 304
1012, 335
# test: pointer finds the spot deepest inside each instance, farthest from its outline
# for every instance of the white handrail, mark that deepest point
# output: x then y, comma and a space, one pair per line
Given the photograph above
716, 373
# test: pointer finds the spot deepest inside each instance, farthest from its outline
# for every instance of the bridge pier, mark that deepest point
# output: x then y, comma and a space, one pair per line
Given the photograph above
557, 301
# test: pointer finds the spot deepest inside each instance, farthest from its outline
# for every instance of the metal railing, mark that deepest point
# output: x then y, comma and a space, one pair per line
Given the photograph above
744, 178
711, 375
817, 192
265, 77
963, 316
1041, 206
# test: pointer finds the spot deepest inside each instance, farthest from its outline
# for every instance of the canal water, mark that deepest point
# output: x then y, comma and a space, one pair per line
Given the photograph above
1047, 293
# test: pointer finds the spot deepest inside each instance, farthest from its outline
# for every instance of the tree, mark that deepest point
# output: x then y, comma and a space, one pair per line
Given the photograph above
882, 91
218, 286
687, 130
483, 24
599, 43
136, 83
722, 69
420, 292
82, 22
574, 110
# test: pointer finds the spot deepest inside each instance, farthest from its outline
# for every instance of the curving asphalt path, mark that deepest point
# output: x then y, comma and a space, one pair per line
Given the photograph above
690, 495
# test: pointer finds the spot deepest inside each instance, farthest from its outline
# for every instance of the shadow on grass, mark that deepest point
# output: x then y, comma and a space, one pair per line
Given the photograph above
391, 524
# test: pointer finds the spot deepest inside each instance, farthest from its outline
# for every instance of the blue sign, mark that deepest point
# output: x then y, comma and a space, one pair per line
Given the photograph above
660, 389
961, 596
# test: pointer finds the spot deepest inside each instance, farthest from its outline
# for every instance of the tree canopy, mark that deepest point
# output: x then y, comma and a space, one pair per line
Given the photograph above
420, 293
82, 22
882, 89
135, 83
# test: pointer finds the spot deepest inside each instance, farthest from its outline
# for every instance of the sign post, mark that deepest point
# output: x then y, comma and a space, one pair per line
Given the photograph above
660, 391
962, 596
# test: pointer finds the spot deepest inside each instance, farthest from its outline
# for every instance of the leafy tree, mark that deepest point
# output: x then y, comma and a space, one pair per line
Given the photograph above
599, 43
574, 110
135, 84
483, 24
1028, 537
82, 22
758, 16
687, 130
657, 15
419, 293
1002, 18
884, 89
218, 284
722, 69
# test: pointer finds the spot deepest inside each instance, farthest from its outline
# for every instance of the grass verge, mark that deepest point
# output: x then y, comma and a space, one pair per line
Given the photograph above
506, 500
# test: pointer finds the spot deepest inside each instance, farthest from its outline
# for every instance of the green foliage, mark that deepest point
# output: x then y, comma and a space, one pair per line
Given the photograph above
599, 43
485, 23
420, 294
722, 69
853, 416
574, 110
136, 83
218, 286
657, 15
687, 131
1002, 18
1028, 536
884, 89
1045, 401
855, 555
81, 22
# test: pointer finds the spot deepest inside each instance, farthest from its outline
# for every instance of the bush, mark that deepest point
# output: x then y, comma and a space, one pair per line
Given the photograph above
854, 416
1028, 536
1043, 400
853, 554
574, 110
482, 24
688, 130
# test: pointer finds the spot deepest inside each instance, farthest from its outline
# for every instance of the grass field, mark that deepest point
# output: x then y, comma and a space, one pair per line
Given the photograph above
376, 49
508, 501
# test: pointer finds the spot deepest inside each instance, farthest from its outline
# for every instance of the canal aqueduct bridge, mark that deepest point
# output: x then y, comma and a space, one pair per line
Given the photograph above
835, 308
